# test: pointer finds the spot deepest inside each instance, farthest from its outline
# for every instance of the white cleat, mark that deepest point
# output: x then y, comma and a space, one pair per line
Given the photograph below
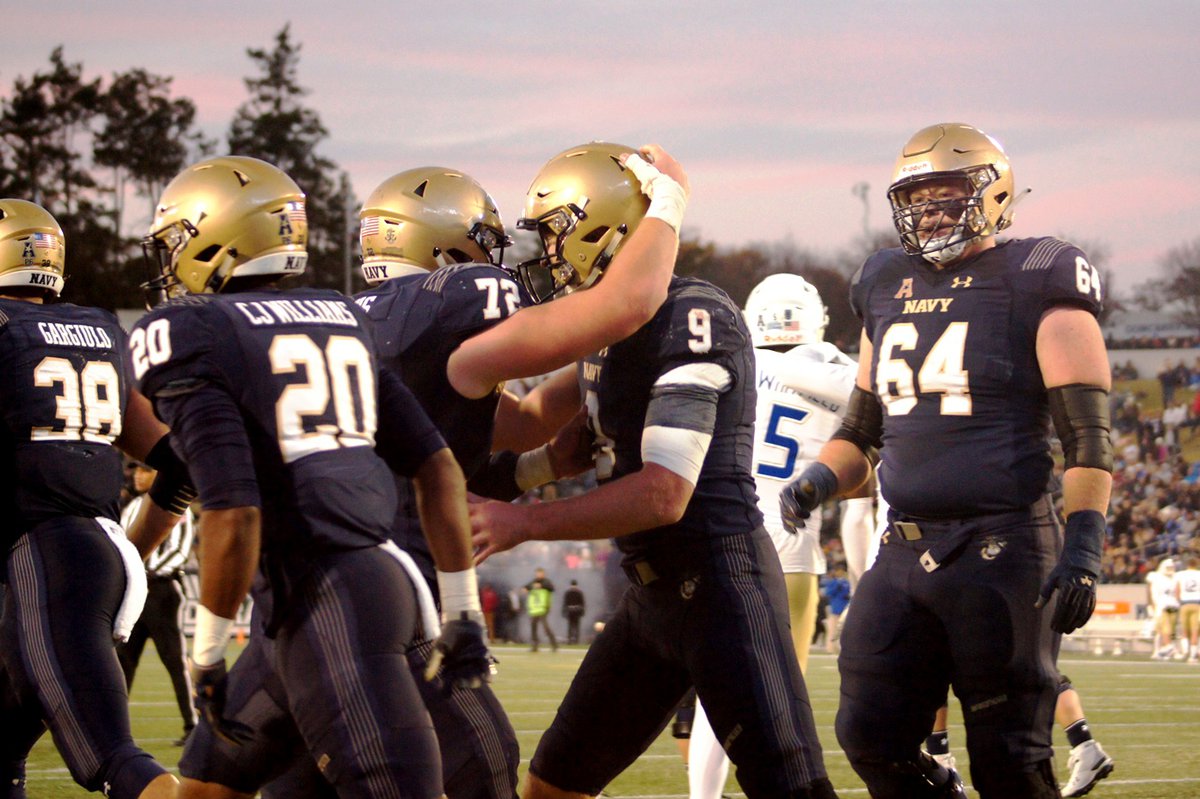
1088, 764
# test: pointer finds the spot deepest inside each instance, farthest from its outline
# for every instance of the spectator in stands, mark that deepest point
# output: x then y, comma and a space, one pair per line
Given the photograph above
1168, 377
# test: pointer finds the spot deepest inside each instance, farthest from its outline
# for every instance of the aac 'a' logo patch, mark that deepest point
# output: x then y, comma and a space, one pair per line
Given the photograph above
992, 547
905, 289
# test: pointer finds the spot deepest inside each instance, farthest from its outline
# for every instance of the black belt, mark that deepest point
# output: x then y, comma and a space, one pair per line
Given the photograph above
911, 528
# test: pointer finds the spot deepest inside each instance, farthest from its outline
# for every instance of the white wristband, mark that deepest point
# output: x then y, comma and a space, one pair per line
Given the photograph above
459, 593
210, 638
534, 468
667, 198
668, 202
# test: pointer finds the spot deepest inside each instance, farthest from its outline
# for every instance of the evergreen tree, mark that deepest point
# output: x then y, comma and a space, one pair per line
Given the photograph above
275, 126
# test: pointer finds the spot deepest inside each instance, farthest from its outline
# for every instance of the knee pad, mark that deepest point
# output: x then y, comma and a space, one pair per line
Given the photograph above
1064, 684
1038, 782
922, 778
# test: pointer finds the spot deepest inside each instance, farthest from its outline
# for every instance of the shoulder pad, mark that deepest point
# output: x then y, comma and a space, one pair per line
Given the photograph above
172, 342
481, 293
1059, 273
698, 319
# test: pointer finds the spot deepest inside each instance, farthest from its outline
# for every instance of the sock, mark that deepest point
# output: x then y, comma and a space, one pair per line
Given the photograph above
1079, 732
938, 743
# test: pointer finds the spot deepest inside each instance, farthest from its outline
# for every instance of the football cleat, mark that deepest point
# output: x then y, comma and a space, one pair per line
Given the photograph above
1088, 764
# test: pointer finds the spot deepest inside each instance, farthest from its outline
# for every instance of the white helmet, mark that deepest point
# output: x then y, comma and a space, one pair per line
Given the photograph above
1166, 566
785, 310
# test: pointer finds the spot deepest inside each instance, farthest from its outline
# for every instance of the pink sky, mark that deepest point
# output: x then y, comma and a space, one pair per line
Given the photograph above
776, 112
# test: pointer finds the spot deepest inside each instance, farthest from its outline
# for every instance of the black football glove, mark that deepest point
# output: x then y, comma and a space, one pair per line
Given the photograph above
208, 697
800, 497
461, 655
1077, 572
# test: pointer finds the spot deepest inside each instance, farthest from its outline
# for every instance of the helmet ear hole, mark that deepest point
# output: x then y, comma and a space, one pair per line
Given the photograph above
595, 234
459, 256
208, 253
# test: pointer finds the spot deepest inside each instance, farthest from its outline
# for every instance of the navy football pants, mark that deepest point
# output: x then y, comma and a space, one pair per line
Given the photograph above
65, 584
970, 624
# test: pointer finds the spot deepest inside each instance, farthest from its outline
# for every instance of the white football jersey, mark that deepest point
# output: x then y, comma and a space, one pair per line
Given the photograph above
1188, 581
1162, 591
802, 396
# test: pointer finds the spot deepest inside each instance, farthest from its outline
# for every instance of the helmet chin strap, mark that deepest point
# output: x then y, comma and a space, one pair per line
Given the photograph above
950, 252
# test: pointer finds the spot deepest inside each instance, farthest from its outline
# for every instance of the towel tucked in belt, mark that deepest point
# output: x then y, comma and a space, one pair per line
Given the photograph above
135, 580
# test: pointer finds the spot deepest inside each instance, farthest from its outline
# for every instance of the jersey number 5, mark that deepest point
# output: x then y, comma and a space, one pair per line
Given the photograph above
776, 438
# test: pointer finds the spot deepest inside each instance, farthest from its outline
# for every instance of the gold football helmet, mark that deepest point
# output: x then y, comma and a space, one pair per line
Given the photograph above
583, 204
428, 217
226, 217
32, 252
951, 151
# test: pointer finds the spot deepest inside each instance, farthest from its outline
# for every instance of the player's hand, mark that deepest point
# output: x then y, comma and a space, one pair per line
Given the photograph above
1077, 572
461, 655
571, 448
1076, 597
803, 495
665, 163
496, 527
208, 697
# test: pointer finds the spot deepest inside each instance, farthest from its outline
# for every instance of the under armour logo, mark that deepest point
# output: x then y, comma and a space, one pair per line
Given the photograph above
961, 282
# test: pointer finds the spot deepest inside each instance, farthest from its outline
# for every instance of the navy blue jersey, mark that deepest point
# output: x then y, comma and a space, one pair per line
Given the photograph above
286, 386
955, 368
698, 323
418, 321
62, 397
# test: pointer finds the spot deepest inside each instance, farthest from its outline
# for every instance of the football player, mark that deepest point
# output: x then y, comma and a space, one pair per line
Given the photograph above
1187, 591
73, 582
970, 348
160, 621
279, 407
671, 413
803, 385
1164, 606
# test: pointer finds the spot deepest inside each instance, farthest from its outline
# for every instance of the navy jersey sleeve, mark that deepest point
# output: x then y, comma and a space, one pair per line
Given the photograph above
406, 436
698, 325
173, 347
1063, 276
475, 296
174, 355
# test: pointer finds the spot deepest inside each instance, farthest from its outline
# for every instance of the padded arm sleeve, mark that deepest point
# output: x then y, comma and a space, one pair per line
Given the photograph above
1080, 414
862, 425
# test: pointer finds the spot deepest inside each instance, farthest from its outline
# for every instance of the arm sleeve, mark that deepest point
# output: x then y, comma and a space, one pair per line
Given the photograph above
828, 383
497, 478
406, 436
681, 417
209, 435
